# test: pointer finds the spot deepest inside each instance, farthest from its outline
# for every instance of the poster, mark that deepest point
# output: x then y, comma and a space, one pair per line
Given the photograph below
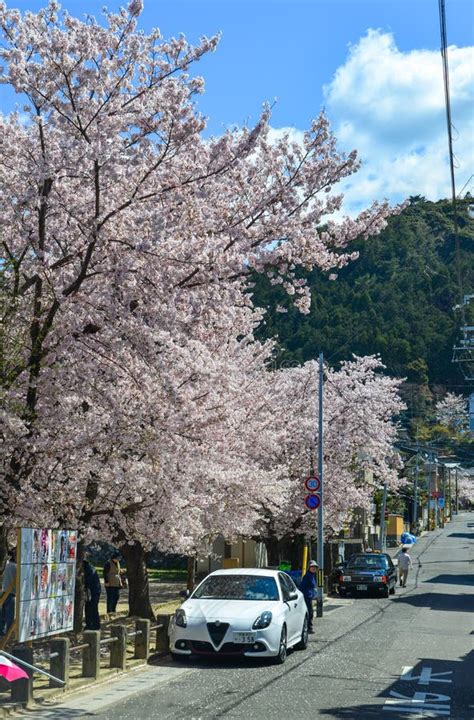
47, 582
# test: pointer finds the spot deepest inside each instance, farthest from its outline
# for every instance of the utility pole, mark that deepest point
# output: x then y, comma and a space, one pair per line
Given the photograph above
320, 554
382, 543
415, 497
457, 498
430, 488
449, 505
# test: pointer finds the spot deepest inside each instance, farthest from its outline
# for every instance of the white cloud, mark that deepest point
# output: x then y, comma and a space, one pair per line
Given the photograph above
294, 135
389, 105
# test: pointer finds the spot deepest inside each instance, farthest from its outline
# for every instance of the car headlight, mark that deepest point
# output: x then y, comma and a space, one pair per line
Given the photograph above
180, 618
380, 578
262, 621
346, 578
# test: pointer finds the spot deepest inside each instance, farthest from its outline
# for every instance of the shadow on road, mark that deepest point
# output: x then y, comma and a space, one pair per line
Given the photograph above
439, 601
214, 662
462, 579
469, 536
445, 685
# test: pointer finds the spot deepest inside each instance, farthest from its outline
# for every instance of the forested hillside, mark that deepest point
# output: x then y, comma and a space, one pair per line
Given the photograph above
397, 299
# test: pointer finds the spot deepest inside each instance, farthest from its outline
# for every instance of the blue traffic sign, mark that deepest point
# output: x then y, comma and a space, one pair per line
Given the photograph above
312, 484
312, 501
441, 503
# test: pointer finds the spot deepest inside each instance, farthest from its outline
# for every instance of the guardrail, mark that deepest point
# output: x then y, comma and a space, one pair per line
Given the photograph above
61, 651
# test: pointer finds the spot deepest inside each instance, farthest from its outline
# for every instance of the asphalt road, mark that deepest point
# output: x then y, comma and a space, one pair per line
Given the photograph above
409, 656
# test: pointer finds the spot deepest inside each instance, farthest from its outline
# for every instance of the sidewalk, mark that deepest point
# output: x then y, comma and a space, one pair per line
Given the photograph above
101, 695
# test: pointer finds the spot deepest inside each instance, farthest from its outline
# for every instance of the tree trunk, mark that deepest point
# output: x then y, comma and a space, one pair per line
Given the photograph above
3, 546
79, 593
138, 586
191, 577
294, 548
273, 550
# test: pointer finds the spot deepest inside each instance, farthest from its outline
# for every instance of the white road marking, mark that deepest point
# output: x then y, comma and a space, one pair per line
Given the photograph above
426, 676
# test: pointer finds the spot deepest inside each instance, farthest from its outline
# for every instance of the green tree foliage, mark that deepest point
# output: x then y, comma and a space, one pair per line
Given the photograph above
397, 299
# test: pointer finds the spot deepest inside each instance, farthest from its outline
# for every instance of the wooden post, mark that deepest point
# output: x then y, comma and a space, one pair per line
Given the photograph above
162, 641
59, 665
91, 654
22, 690
118, 649
142, 639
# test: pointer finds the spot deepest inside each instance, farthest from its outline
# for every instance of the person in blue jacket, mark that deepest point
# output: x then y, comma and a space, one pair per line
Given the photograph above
309, 588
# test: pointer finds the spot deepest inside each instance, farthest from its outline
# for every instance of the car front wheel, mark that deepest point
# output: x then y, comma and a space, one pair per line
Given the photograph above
303, 643
281, 657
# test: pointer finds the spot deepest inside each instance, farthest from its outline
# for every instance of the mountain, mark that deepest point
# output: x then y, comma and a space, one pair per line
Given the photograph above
396, 299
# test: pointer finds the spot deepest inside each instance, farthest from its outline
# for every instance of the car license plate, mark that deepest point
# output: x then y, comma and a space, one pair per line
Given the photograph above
245, 638
361, 587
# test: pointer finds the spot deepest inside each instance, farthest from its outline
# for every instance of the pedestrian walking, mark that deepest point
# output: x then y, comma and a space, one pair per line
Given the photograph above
93, 590
112, 581
7, 612
404, 564
309, 588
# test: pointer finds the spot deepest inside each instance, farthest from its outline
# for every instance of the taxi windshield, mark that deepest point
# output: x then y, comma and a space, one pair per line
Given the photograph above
367, 562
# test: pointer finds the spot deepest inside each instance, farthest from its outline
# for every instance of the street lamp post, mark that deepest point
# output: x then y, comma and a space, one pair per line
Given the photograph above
320, 553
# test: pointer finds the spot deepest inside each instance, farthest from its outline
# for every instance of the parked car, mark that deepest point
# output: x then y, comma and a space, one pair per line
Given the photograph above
251, 612
368, 573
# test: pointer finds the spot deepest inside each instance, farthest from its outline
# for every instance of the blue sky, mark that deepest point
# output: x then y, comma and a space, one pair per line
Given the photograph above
382, 90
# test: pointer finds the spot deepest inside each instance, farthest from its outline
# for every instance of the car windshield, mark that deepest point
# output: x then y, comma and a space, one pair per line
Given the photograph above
237, 587
367, 562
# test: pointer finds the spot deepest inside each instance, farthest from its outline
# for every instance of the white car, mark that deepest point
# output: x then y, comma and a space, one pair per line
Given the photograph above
251, 612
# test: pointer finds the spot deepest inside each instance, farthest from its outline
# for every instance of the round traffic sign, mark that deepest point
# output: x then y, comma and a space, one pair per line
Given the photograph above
312, 483
312, 501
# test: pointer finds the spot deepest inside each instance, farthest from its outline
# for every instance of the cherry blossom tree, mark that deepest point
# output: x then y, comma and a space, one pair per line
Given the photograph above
360, 429
451, 412
465, 489
136, 399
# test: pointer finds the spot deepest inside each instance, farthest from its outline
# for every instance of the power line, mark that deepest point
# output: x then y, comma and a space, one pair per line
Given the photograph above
447, 99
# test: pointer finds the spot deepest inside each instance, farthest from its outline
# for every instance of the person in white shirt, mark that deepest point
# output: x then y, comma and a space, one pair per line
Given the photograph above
404, 564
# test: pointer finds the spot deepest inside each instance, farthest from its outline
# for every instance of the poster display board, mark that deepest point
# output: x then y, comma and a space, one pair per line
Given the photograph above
47, 577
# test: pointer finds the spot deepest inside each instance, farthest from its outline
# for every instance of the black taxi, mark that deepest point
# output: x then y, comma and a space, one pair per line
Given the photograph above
372, 573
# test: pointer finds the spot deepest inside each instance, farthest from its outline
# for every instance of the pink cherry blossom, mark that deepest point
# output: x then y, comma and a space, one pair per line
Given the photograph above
138, 402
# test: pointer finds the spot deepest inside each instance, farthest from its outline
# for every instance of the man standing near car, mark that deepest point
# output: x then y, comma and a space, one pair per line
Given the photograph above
309, 589
404, 564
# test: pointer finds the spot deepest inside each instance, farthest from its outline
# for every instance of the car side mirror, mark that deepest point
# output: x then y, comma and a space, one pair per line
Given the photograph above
293, 596
185, 593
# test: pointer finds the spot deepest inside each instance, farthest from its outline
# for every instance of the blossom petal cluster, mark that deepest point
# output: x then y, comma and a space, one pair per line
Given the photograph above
138, 403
